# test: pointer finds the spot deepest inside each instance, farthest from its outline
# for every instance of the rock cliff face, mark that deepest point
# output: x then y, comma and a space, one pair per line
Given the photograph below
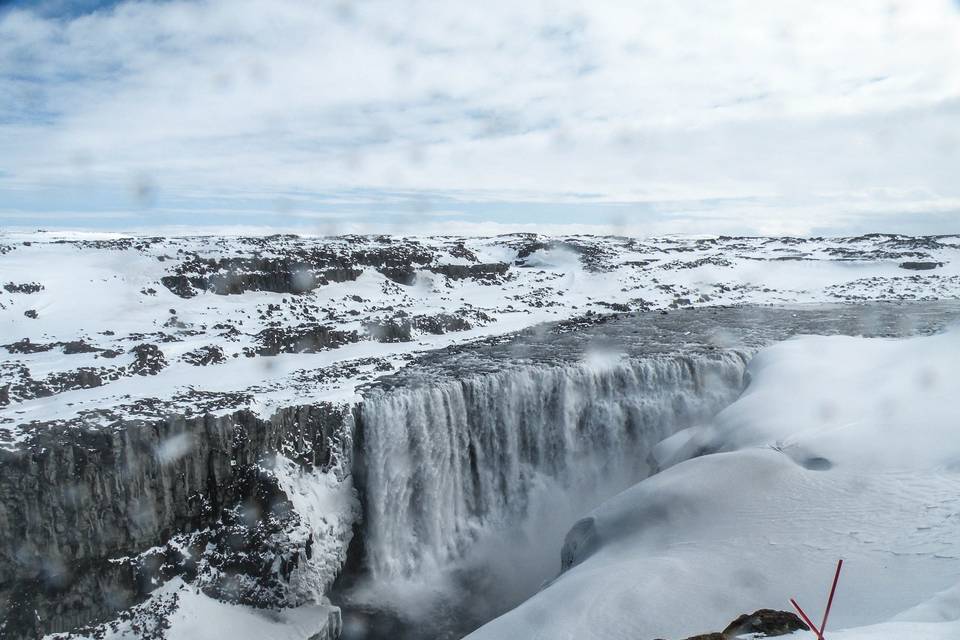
95, 518
79, 506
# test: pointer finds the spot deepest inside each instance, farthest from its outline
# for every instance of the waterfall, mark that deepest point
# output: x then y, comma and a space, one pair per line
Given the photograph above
446, 462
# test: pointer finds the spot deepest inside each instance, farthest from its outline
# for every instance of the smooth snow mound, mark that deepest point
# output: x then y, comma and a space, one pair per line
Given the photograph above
840, 447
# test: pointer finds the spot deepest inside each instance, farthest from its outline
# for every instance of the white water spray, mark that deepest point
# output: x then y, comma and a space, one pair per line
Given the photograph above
449, 464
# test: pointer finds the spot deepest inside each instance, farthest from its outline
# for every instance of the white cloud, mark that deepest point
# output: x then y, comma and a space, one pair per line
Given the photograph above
821, 111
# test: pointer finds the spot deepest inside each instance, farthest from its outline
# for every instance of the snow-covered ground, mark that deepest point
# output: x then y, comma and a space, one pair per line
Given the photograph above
101, 329
363, 305
179, 611
841, 447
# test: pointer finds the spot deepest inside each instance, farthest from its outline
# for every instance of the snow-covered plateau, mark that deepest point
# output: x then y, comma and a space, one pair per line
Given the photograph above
520, 436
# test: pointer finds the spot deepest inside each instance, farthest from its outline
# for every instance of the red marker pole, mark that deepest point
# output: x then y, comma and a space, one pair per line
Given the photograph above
803, 615
833, 590
826, 613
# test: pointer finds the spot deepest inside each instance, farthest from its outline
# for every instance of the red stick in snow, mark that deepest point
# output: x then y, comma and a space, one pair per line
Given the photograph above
826, 614
810, 624
833, 590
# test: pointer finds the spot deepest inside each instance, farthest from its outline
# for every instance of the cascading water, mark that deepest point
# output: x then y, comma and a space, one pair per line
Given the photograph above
452, 462
474, 464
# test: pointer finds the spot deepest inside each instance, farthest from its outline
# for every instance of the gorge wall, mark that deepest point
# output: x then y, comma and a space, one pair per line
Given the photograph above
91, 520
94, 520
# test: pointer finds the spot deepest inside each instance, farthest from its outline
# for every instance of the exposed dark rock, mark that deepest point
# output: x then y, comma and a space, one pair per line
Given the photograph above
302, 339
209, 354
78, 346
72, 347
766, 622
392, 330
25, 287
592, 256
26, 346
182, 285
920, 266
26, 387
460, 251
485, 271
615, 306
401, 328
441, 323
848, 253
279, 276
528, 248
31, 313
675, 265
405, 275
148, 360
75, 497
82, 378
236, 275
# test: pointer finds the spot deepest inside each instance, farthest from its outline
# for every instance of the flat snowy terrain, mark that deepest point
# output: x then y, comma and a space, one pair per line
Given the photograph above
841, 447
101, 326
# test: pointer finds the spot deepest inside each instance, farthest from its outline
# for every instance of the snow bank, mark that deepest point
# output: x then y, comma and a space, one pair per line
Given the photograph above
889, 404
177, 611
841, 447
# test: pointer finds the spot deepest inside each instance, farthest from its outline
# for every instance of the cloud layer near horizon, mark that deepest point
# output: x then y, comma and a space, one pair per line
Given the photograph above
785, 117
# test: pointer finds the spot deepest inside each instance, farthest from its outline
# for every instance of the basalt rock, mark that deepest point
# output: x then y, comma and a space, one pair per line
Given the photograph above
79, 504
209, 354
485, 271
148, 360
401, 329
766, 623
920, 266
26, 287
405, 274
302, 339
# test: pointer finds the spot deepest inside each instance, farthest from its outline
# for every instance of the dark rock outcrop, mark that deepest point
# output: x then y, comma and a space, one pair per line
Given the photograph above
301, 339
403, 274
76, 499
25, 287
766, 622
401, 328
208, 354
148, 360
485, 271
26, 346
305, 266
920, 266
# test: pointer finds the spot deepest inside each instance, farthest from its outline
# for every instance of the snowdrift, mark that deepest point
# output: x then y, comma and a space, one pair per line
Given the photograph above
840, 447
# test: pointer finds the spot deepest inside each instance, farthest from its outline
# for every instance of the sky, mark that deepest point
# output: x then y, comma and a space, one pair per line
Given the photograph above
640, 117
